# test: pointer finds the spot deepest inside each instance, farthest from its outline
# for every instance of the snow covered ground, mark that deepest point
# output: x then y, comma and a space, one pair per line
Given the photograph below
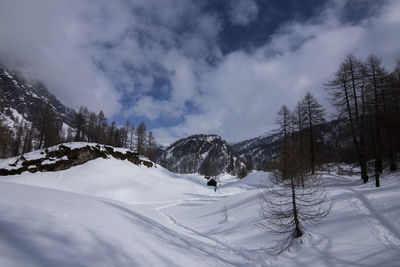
109, 212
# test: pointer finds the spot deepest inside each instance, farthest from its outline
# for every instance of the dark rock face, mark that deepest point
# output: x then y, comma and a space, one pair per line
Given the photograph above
29, 99
205, 154
64, 158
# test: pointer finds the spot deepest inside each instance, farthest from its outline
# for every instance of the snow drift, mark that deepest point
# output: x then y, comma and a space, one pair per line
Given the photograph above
110, 212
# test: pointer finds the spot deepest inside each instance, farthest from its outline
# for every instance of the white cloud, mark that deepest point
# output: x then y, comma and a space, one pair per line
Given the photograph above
241, 96
92, 53
52, 41
96, 54
243, 12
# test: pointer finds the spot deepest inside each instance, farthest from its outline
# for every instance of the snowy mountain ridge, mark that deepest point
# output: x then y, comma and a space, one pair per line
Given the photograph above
28, 98
258, 151
209, 155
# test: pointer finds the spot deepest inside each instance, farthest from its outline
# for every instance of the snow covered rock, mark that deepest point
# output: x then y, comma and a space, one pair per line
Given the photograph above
65, 156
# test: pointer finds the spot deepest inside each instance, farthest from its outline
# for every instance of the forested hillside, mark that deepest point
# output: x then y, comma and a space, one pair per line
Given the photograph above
32, 118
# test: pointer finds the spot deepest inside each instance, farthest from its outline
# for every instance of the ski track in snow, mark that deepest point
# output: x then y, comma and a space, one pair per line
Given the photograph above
178, 235
388, 233
363, 201
186, 229
247, 255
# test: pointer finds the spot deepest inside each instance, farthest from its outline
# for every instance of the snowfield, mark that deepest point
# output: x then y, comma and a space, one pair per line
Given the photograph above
109, 212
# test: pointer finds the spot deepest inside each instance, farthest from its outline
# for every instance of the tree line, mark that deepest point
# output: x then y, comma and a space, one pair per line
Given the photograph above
367, 100
16, 135
92, 127
87, 126
366, 128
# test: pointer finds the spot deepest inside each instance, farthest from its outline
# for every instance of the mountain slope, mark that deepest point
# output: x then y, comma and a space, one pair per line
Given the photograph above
258, 151
332, 141
30, 116
205, 154
66, 229
116, 179
30, 98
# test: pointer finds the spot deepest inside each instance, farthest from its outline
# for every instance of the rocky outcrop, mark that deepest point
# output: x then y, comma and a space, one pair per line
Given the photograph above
63, 157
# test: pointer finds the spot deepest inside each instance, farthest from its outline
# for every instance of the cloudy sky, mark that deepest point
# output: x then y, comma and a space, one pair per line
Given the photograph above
193, 66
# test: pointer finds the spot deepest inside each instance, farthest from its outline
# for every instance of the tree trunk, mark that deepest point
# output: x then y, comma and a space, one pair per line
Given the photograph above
389, 129
378, 164
361, 150
396, 117
361, 158
311, 143
298, 232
